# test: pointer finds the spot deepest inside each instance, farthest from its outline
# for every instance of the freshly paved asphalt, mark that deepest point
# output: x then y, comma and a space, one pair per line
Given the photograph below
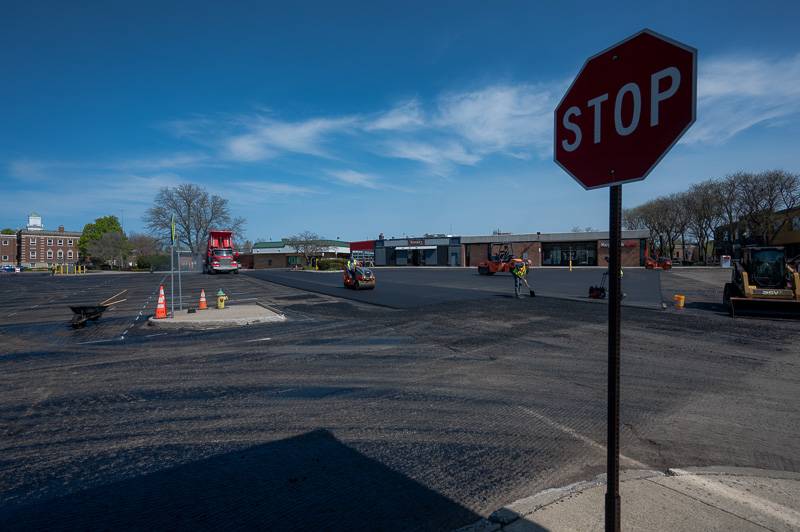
358, 417
411, 287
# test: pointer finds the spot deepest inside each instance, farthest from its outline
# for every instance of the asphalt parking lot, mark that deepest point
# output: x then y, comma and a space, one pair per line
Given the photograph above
436, 406
406, 288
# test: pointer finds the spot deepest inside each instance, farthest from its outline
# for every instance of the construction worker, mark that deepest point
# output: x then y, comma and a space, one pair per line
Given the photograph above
519, 270
352, 264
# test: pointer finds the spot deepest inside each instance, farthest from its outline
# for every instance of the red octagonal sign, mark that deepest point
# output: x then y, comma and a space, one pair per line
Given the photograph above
626, 108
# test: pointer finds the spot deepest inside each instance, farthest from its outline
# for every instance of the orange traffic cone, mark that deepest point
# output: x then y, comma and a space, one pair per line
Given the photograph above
161, 307
202, 305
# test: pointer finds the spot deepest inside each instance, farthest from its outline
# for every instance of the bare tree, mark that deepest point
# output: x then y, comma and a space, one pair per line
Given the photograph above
632, 219
704, 213
196, 212
748, 206
307, 244
761, 197
246, 246
676, 220
730, 204
142, 244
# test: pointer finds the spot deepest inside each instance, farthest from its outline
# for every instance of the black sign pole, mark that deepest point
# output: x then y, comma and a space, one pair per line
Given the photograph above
614, 281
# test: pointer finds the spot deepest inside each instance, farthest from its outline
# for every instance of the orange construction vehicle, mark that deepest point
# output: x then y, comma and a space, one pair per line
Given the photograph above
498, 262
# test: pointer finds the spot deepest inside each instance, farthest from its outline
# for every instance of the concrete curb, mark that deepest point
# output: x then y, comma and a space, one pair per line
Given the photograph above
735, 472
509, 514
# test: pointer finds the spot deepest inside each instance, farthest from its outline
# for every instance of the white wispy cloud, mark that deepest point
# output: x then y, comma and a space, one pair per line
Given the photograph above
276, 188
257, 192
737, 93
439, 156
268, 137
407, 115
352, 177
511, 119
43, 170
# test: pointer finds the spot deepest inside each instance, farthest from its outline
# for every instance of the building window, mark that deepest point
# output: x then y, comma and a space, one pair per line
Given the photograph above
559, 254
60, 242
60, 254
69, 254
33, 254
5, 242
33, 241
69, 242
49, 241
796, 223
5, 257
49, 253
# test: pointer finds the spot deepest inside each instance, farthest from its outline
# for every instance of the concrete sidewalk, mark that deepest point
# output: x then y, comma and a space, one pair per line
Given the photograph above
708, 498
234, 315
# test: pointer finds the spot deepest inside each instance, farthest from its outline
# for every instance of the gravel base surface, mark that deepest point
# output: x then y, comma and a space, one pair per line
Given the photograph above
353, 416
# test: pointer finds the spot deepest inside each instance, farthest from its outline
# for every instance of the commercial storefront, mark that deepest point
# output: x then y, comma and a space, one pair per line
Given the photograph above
282, 255
556, 249
424, 251
363, 251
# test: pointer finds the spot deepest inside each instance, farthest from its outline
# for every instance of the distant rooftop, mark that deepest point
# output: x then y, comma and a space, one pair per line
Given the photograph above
284, 243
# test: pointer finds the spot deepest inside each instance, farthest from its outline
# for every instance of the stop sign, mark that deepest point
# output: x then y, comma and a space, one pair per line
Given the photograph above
626, 108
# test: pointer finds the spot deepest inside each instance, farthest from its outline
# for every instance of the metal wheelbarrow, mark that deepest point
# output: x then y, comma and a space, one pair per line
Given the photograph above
84, 313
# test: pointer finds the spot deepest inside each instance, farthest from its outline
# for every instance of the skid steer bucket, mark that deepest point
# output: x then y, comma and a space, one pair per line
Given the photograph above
751, 306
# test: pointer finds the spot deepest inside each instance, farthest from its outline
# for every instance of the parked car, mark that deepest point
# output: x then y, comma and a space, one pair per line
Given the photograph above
660, 263
8, 268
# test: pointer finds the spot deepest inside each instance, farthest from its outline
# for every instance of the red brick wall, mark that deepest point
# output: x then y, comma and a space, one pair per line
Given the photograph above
629, 254
8, 249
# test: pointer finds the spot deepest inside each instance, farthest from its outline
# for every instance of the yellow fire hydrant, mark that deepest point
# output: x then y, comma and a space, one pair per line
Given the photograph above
221, 298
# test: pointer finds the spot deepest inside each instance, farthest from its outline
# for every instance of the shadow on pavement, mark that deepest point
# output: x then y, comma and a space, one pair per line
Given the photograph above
308, 482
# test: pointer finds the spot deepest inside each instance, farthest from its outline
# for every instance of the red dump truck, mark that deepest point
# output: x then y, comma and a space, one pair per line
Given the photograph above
220, 257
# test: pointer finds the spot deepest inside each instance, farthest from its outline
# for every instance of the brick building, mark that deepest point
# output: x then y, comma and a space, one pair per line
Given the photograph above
8, 250
38, 247
542, 249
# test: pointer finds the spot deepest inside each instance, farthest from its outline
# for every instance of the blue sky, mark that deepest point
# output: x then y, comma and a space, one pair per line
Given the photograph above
350, 119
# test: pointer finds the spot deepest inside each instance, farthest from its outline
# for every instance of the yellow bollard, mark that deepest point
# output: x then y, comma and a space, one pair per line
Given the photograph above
680, 300
570, 264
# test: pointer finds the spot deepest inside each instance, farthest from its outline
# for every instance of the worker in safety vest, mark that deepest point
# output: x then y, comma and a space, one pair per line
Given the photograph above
519, 271
351, 266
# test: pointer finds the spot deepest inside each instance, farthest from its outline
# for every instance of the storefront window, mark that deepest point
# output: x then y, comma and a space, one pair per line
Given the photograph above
558, 254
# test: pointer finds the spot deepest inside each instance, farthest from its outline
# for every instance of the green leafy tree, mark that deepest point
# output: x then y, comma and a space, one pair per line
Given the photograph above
7, 231
92, 232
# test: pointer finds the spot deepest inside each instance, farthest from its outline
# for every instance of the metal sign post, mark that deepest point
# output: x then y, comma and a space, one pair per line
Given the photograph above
172, 280
172, 266
614, 282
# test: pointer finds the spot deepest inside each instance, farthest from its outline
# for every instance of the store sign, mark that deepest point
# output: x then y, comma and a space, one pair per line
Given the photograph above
624, 244
416, 241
